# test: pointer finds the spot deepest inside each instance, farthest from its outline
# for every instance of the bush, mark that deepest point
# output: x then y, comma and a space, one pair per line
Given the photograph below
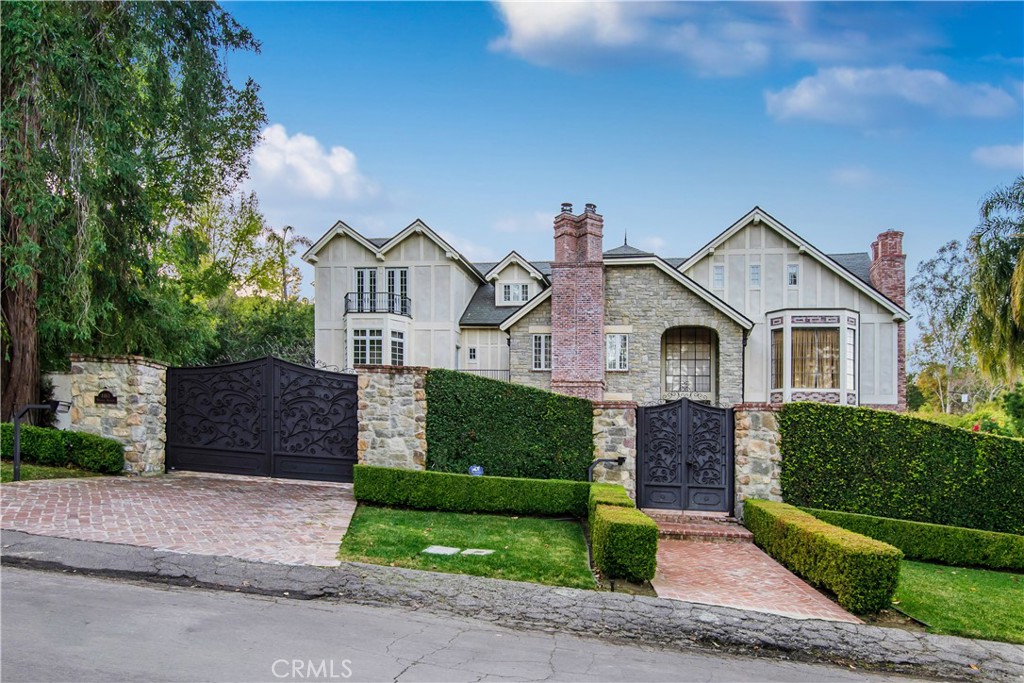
608, 494
889, 465
952, 545
624, 542
508, 429
861, 571
56, 448
466, 493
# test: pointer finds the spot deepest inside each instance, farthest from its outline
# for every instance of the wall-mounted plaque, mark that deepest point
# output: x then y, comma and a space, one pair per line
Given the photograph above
105, 398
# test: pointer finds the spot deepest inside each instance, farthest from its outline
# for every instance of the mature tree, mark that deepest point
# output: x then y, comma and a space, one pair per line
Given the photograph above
117, 118
285, 248
941, 299
997, 251
256, 326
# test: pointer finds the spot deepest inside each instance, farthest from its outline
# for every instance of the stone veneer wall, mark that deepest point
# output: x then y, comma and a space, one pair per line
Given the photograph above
138, 420
757, 455
651, 302
615, 436
393, 416
521, 348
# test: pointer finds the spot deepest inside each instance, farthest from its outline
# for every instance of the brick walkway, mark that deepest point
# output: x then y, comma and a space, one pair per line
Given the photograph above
738, 575
255, 518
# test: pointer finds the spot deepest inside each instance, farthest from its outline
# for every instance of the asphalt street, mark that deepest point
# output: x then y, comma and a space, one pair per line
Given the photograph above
68, 627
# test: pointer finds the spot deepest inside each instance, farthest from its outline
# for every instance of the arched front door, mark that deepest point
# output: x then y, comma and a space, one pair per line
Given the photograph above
685, 450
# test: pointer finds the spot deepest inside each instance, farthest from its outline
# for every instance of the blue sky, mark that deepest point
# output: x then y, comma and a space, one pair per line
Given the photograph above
841, 120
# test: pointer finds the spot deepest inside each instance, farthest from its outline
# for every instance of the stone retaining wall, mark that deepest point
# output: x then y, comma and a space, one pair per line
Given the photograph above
138, 419
757, 455
615, 436
393, 416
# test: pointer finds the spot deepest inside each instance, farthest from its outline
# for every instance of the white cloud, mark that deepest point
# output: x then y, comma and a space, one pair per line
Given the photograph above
299, 165
864, 96
1010, 157
853, 177
538, 221
468, 248
654, 244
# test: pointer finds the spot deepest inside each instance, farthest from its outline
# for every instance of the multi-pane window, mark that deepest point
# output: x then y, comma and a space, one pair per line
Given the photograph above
778, 356
542, 352
472, 353
367, 347
688, 355
755, 275
718, 277
397, 280
397, 348
815, 357
793, 274
616, 351
366, 289
851, 353
515, 293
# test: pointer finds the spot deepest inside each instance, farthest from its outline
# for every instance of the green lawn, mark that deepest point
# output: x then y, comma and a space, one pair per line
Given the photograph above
976, 603
526, 548
40, 472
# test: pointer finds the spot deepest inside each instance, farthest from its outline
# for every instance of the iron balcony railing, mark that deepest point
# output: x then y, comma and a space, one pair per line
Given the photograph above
503, 375
378, 302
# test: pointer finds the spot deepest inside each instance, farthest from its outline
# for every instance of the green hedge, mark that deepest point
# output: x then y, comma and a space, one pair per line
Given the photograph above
861, 571
624, 542
890, 465
952, 545
466, 493
56, 448
508, 429
607, 494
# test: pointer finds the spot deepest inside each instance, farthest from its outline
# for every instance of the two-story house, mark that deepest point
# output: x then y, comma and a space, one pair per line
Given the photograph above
758, 314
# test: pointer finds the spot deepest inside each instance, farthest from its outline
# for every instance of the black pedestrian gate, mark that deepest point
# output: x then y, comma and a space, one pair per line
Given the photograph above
685, 450
262, 417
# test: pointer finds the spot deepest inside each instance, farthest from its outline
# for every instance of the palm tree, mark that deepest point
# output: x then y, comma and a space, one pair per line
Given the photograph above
284, 248
997, 277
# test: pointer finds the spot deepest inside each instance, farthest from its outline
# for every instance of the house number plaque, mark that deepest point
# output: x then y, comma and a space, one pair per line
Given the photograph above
105, 398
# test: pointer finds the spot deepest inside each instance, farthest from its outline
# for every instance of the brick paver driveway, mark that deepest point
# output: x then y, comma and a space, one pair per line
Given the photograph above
255, 518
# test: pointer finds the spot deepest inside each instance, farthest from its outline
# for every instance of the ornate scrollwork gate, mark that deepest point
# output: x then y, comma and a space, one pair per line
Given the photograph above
263, 417
686, 456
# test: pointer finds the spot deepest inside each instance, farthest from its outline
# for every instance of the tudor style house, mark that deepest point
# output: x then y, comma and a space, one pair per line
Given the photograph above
756, 315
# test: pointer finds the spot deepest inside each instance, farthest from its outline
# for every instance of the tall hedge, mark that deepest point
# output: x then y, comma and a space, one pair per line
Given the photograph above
508, 429
890, 465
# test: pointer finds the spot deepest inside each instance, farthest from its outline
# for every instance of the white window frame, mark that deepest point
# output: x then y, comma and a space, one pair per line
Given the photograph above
515, 292
366, 289
718, 277
367, 338
616, 352
396, 280
793, 274
397, 347
472, 353
755, 275
541, 347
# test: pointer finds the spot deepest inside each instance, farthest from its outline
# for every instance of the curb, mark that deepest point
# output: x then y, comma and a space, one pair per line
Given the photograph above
525, 605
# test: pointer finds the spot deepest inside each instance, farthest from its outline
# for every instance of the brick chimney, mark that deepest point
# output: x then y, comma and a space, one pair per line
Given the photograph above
888, 273
577, 304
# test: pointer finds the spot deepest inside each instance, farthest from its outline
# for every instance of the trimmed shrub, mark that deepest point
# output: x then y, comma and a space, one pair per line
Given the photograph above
508, 429
466, 493
861, 571
607, 494
885, 464
56, 448
951, 545
624, 542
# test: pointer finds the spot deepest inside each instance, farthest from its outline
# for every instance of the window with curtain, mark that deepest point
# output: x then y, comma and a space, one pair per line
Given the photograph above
815, 358
778, 355
688, 355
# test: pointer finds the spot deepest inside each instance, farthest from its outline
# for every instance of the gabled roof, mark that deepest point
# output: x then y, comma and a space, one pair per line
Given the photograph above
858, 263
661, 265
513, 257
482, 312
381, 245
626, 251
757, 214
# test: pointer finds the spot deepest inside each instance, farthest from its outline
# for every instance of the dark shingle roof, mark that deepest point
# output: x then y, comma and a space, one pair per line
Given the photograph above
481, 311
625, 251
379, 241
858, 263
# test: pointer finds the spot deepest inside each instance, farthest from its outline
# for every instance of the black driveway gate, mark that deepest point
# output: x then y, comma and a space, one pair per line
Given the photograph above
262, 417
685, 451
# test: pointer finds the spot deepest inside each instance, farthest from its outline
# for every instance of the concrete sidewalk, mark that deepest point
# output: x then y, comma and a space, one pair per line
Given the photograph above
618, 616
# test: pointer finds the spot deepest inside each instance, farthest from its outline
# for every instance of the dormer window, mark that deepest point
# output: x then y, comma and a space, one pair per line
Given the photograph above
515, 293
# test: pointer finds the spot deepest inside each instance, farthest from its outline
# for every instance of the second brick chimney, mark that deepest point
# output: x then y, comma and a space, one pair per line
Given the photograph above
577, 304
888, 274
